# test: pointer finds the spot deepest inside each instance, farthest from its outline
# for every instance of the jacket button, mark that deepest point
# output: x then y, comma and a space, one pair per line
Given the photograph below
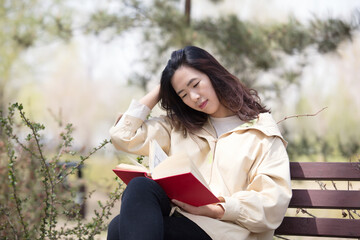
127, 122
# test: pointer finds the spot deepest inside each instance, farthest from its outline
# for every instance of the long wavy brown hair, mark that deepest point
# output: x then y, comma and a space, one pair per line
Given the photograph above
232, 93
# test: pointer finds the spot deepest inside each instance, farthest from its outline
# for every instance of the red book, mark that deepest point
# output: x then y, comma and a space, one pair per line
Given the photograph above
177, 175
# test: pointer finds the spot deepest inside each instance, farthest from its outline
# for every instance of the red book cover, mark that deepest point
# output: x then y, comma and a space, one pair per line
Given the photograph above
188, 189
183, 187
177, 175
127, 175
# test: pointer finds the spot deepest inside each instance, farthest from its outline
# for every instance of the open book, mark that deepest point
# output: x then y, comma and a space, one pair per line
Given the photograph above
177, 175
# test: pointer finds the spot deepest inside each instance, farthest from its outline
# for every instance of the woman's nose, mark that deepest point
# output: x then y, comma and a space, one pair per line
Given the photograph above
194, 96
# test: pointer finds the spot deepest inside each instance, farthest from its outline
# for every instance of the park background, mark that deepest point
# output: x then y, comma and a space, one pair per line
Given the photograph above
82, 62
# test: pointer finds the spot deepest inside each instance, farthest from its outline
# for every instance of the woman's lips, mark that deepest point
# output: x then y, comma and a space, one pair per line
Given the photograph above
203, 104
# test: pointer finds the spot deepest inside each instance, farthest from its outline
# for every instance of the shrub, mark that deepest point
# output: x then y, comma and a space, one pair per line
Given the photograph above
34, 190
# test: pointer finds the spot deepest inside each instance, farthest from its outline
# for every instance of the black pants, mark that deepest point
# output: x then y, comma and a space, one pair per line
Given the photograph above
145, 212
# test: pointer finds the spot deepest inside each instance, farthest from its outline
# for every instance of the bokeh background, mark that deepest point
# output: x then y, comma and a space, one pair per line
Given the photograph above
82, 62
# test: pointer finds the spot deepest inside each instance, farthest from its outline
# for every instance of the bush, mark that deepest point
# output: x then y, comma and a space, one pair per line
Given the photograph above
34, 190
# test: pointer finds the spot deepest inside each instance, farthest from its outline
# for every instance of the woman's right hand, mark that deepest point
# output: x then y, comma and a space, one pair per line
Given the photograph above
151, 98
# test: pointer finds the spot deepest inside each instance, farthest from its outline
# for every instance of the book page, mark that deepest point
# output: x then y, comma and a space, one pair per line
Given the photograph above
156, 155
178, 164
135, 166
173, 165
195, 171
129, 167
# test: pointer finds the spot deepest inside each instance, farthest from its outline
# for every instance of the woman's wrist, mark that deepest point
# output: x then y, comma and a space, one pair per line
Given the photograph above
151, 98
221, 211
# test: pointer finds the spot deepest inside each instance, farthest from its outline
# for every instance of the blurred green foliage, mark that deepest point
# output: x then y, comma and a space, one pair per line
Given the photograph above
25, 24
245, 48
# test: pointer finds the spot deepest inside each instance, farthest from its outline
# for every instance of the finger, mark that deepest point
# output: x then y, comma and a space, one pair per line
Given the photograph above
175, 201
180, 204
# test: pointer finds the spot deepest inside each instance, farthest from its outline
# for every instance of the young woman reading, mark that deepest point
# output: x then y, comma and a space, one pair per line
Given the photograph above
229, 135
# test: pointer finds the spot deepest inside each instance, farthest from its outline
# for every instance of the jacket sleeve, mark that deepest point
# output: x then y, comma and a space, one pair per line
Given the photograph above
133, 135
262, 206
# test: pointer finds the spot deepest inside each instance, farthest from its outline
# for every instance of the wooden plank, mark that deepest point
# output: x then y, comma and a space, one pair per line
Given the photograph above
320, 227
323, 199
337, 171
331, 199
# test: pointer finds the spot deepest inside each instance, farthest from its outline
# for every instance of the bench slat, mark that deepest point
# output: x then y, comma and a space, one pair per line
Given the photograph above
323, 199
340, 171
321, 227
331, 199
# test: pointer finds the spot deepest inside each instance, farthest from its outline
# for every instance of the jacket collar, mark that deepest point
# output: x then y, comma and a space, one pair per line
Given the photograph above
206, 130
264, 123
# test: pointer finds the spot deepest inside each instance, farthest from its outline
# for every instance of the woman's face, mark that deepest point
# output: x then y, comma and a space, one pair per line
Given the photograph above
196, 91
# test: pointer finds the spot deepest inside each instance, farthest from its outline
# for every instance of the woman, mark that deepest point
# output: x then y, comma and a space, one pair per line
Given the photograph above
232, 139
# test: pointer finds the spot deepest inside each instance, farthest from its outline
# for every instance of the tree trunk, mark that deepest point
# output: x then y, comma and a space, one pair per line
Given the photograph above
188, 11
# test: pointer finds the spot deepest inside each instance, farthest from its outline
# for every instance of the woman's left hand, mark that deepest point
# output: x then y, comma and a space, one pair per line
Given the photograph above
210, 210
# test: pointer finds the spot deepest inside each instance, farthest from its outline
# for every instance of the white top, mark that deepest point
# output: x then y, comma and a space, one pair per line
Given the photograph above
223, 125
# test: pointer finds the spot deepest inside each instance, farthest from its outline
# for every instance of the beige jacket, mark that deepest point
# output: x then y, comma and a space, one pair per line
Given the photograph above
248, 166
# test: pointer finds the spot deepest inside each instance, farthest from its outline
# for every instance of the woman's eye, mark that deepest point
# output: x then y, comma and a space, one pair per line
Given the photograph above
196, 84
184, 96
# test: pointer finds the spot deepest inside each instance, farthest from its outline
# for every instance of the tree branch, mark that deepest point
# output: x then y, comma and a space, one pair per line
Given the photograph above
302, 115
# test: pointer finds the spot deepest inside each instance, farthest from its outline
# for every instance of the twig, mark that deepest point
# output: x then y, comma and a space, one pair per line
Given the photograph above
105, 212
58, 119
6, 214
343, 210
302, 115
304, 211
334, 185
82, 159
16, 138
354, 211
48, 180
350, 215
321, 184
13, 181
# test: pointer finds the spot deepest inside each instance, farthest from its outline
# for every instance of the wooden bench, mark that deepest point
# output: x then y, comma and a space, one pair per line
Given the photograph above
346, 227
